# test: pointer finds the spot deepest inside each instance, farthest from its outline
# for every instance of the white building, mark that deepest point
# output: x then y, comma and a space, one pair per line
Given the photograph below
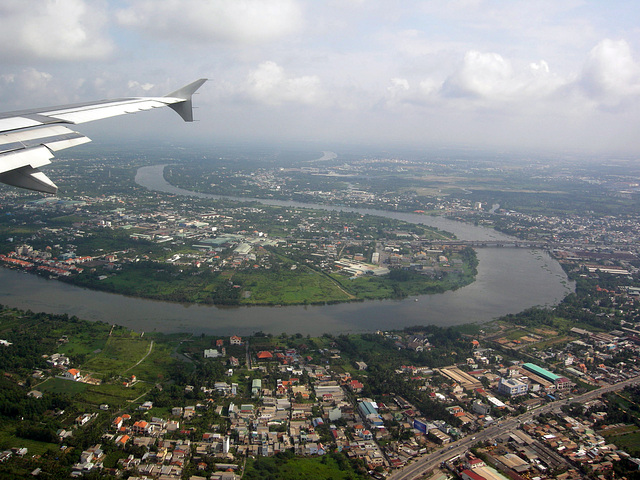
512, 387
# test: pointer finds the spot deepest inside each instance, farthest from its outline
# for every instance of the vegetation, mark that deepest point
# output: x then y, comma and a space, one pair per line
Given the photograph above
285, 466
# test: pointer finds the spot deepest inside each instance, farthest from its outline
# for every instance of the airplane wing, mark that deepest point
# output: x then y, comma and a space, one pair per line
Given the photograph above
28, 138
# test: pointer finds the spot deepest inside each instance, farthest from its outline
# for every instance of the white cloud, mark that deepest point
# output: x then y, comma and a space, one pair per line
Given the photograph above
611, 75
398, 84
489, 76
270, 85
28, 80
233, 21
481, 75
28, 84
144, 87
67, 30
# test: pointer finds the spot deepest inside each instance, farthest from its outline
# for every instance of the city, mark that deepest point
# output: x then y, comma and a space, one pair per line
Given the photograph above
343, 240
527, 395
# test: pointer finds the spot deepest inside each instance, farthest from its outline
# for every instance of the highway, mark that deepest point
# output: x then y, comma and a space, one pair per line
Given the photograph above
430, 461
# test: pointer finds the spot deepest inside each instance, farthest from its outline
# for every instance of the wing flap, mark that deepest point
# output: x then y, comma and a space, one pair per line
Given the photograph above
15, 123
31, 157
54, 137
29, 178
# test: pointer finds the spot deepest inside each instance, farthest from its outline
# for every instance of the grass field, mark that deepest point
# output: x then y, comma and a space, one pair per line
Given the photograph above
156, 366
58, 385
113, 394
292, 287
309, 468
8, 439
85, 343
120, 353
626, 437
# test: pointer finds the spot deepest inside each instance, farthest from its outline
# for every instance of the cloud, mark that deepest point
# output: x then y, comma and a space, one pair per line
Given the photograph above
481, 75
270, 85
29, 83
144, 87
52, 30
610, 75
489, 76
228, 21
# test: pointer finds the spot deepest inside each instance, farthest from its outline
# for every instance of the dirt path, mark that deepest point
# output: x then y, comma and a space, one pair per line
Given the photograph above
142, 359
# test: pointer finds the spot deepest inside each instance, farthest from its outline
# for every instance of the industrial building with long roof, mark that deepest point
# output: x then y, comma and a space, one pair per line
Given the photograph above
546, 374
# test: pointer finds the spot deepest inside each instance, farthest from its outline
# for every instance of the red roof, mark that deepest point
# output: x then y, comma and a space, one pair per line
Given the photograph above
264, 355
473, 475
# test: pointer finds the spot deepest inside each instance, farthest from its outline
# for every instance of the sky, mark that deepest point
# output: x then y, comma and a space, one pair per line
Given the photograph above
507, 75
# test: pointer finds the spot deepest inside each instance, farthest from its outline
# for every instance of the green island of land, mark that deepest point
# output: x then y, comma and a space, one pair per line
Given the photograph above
159, 246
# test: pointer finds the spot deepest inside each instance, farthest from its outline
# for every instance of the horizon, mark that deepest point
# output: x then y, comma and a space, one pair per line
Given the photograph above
479, 74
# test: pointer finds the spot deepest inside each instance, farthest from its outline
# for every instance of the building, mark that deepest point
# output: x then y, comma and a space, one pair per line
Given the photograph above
560, 383
480, 408
212, 353
72, 374
512, 387
541, 372
471, 475
256, 387
361, 365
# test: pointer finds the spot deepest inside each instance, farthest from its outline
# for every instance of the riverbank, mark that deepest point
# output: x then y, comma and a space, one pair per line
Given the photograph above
509, 280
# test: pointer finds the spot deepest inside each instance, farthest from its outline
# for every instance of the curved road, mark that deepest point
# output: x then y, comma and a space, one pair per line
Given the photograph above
461, 446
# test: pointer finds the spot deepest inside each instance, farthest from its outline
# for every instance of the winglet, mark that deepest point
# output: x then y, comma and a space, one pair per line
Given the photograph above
184, 108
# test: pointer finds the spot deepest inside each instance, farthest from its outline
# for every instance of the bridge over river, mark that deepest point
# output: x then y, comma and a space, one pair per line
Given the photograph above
495, 244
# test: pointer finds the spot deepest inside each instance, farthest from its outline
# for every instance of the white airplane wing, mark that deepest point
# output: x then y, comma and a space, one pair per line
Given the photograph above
28, 138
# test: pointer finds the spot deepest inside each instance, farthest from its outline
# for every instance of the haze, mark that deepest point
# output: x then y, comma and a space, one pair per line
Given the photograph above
518, 74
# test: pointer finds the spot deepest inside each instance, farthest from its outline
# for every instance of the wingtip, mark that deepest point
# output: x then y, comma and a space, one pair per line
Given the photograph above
188, 90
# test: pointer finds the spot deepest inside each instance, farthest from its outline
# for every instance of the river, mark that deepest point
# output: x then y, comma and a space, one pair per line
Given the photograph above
508, 281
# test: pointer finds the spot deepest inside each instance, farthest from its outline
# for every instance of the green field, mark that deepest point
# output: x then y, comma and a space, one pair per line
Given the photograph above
626, 437
120, 353
291, 287
286, 467
8, 439
91, 396
59, 385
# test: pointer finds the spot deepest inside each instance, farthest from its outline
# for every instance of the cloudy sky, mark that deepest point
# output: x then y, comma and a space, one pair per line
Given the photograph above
500, 74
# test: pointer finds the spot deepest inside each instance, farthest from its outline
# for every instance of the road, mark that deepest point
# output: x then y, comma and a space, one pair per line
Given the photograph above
142, 359
430, 461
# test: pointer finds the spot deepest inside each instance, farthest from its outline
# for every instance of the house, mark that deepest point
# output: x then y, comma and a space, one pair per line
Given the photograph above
72, 374
356, 386
117, 423
122, 440
141, 427
314, 449
235, 340
58, 360
83, 419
